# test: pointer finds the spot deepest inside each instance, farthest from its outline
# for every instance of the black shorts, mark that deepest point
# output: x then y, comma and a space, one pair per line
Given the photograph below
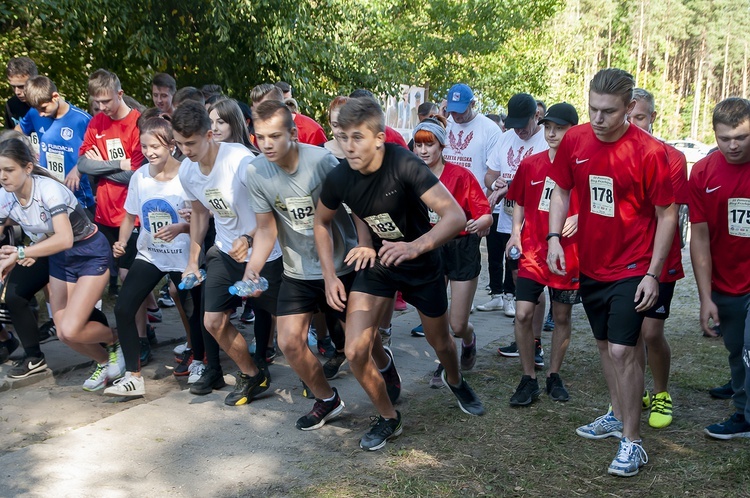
131, 249
87, 258
530, 290
297, 297
462, 260
423, 290
660, 310
611, 310
222, 271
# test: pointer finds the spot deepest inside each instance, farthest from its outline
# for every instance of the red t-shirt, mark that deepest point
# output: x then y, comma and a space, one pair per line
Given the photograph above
672, 270
394, 137
720, 197
461, 183
619, 184
532, 189
115, 140
309, 131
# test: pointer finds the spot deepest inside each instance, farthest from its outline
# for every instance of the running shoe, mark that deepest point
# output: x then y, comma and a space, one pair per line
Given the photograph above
154, 316
602, 427
178, 350
183, 368
326, 347
195, 371
722, 392
165, 301
510, 351
661, 411
526, 392
646, 403
212, 378
382, 430
246, 388
151, 335
271, 354
7, 348
385, 335
248, 316
556, 388
509, 305
322, 412
538, 354
146, 355
47, 332
116, 364
332, 367
399, 304
436, 382
129, 385
418, 331
469, 354
468, 401
734, 426
28, 365
630, 457
98, 378
549, 323
306, 392
494, 304
392, 378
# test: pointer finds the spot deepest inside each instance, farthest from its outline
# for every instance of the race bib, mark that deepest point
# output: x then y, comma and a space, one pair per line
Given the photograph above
602, 195
739, 217
219, 205
301, 212
34, 142
56, 165
384, 227
434, 217
549, 186
115, 150
156, 221
508, 207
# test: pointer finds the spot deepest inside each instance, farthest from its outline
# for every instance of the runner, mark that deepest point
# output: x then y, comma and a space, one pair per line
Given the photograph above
333, 121
163, 88
381, 183
622, 177
18, 71
308, 130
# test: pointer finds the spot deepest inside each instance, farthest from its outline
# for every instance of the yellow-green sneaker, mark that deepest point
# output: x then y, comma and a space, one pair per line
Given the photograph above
661, 411
646, 400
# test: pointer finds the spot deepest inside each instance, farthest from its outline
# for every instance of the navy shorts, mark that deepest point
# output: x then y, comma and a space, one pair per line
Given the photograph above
611, 310
87, 258
131, 250
297, 297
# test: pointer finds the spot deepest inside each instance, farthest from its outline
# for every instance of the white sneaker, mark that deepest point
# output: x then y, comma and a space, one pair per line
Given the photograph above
495, 304
385, 335
178, 350
196, 369
116, 365
130, 385
98, 378
509, 305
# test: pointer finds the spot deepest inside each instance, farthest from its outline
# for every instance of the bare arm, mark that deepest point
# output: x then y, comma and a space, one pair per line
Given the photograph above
558, 209
666, 224
263, 242
515, 231
335, 292
198, 228
700, 255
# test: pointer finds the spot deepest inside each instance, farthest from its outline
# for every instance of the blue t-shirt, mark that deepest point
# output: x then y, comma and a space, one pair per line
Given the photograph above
33, 125
59, 142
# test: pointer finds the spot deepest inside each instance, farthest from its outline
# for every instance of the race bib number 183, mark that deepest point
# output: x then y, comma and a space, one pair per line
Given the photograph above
383, 226
602, 195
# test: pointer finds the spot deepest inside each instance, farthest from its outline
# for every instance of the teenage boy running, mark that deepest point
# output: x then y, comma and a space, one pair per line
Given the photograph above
18, 71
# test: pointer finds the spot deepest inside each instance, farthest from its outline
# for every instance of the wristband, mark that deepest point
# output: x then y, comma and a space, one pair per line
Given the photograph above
21, 252
652, 276
550, 235
249, 239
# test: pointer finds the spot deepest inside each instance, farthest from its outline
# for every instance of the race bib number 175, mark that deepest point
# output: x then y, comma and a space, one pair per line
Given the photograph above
739, 217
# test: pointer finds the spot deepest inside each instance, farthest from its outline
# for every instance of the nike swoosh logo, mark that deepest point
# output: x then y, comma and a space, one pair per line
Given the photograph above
537, 183
32, 366
101, 136
581, 161
709, 190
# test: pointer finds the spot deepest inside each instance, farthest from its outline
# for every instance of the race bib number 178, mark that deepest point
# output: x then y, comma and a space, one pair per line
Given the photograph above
602, 195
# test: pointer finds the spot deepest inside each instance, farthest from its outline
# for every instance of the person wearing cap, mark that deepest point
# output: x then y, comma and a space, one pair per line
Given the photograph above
530, 193
627, 220
526, 139
461, 257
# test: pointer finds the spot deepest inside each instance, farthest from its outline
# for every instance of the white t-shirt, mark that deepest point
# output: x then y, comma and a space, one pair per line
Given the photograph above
470, 144
224, 192
506, 158
156, 203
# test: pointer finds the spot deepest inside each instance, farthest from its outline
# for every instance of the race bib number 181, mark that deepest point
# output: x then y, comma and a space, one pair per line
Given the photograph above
383, 226
739, 217
602, 195
218, 204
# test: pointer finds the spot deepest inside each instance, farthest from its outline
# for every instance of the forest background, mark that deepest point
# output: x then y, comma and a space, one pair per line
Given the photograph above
690, 53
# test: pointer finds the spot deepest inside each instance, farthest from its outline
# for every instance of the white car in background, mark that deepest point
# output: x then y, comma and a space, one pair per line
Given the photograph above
694, 150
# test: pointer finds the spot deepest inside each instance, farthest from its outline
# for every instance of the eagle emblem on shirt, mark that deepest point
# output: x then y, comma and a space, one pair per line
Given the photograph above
514, 160
458, 144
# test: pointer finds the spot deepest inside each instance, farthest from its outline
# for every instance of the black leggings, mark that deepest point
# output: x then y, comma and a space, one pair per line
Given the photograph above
22, 284
142, 278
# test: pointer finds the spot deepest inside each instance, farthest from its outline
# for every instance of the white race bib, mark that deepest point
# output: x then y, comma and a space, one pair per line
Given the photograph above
217, 202
549, 186
602, 195
56, 165
301, 212
156, 221
434, 217
34, 142
739, 217
115, 150
383, 226
508, 206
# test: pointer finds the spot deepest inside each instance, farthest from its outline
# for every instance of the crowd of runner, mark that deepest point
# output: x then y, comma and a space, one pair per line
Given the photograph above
226, 199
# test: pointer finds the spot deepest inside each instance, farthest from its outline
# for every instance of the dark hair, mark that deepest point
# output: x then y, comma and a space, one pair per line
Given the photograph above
284, 86
21, 66
151, 112
266, 90
188, 93
158, 127
191, 118
214, 98
230, 112
165, 80
427, 108
270, 108
365, 111
543, 105
18, 151
211, 89
39, 90
132, 103
613, 81
731, 112
361, 92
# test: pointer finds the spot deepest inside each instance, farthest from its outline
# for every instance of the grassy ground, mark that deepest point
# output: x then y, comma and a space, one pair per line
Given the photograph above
534, 451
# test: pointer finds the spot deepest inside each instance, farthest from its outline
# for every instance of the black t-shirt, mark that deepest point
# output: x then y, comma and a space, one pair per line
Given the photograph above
14, 111
387, 200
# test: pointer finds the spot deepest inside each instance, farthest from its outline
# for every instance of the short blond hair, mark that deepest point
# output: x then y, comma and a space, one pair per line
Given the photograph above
39, 90
102, 81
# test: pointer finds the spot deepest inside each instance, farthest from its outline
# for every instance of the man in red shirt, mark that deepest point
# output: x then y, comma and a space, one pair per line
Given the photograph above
659, 353
308, 130
720, 216
531, 190
627, 221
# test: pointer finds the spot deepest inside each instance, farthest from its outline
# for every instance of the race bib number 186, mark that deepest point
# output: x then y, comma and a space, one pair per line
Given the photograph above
602, 195
383, 226
56, 165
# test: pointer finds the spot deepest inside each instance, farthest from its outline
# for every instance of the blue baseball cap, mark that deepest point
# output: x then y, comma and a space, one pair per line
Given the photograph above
459, 97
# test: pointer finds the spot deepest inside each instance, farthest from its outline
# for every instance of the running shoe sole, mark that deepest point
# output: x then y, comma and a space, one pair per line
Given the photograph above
333, 413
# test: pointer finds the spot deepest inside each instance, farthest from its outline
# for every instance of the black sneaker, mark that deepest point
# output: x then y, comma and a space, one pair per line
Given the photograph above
248, 316
262, 366
28, 365
734, 426
145, 351
186, 359
722, 392
47, 332
151, 335
392, 379
326, 347
526, 392
469, 354
538, 355
247, 388
306, 392
322, 412
382, 430
556, 389
468, 401
270, 354
7, 348
510, 351
212, 378
332, 367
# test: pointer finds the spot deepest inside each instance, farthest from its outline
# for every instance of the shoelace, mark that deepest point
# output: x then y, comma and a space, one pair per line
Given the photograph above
98, 371
661, 405
379, 426
627, 448
320, 408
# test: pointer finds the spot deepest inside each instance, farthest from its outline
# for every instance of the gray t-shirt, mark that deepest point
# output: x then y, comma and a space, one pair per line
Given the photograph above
292, 199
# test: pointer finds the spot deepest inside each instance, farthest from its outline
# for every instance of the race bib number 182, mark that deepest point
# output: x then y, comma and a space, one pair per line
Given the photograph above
301, 212
383, 226
602, 195
739, 217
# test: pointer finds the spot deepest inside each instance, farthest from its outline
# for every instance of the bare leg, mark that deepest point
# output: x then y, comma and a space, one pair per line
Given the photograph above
659, 353
525, 313
561, 336
437, 335
293, 342
462, 295
629, 381
230, 340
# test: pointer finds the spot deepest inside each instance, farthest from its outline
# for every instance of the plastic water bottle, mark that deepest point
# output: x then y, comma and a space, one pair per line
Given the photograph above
245, 288
514, 253
192, 280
